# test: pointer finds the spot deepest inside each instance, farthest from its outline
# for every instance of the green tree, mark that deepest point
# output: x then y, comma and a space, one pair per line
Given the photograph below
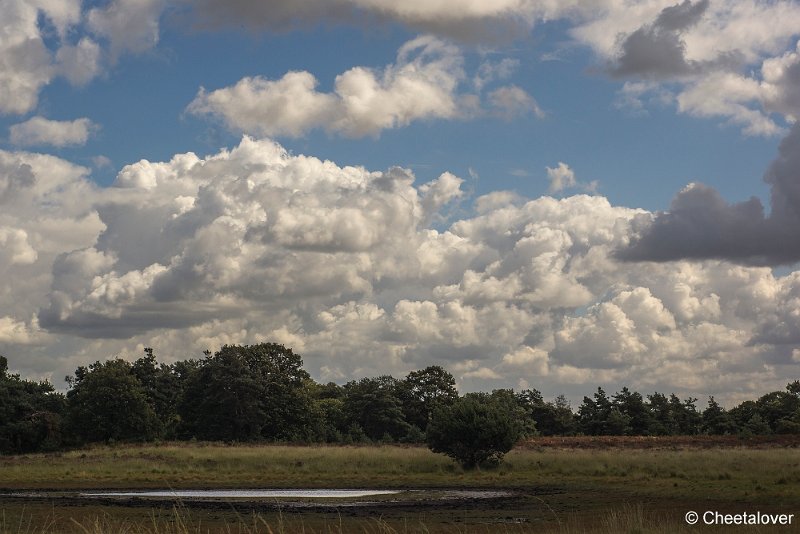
421, 391
790, 423
617, 423
593, 414
519, 408
716, 420
757, 426
673, 416
631, 405
564, 423
553, 418
374, 405
475, 430
247, 393
30, 414
663, 422
222, 400
330, 423
689, 419
540, 412
163, 385
742, 414
779, 409
108, 402
287, 401
331, 390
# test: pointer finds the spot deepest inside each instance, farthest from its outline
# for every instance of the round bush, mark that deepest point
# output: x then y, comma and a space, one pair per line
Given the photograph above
476, 430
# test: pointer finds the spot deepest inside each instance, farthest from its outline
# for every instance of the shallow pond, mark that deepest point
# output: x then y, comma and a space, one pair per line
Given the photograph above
251, 493
289, 497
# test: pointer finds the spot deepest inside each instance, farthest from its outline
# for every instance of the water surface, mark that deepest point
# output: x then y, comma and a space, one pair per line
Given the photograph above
251, 493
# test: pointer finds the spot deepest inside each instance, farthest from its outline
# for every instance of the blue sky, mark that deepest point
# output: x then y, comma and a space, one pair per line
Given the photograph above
631, 153
550, 200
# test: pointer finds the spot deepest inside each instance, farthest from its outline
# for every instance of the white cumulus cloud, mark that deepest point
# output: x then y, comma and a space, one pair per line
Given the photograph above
423, 84
128, 25
39, 131
714, 58
28, 63
257, 244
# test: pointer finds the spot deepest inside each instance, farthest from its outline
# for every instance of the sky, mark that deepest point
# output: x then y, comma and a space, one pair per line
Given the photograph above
530, 193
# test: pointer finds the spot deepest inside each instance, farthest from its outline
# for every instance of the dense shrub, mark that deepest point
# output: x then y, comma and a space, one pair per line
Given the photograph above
475, 430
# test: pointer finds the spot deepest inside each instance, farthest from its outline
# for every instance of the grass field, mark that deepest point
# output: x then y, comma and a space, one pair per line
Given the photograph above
557, 489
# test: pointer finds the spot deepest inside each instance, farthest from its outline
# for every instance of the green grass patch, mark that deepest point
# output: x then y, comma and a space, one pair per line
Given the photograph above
564, 490
732, 474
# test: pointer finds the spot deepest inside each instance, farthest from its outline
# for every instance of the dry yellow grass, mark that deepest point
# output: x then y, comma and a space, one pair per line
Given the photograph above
569, 491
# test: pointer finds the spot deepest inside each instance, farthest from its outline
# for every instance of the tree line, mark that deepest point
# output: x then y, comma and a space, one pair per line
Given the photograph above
261, 393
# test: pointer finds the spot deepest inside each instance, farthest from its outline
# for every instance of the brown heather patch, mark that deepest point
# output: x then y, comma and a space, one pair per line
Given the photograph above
662, 442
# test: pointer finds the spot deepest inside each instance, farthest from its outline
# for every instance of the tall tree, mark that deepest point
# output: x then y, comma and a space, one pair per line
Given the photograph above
30, 414
222, 401
564, 422
593, 415
421, 391
108, 402
716, 420
663, 422
790, 424
780, 410
287, 400
162, 385
247, 393
374, 405
743, 413
540, 412
632, 405
685, 414
519, 408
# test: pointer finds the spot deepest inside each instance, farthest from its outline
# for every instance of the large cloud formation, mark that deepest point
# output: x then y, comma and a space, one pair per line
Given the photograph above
346, 265
45, 210
343, 264
700, 224
703, 47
